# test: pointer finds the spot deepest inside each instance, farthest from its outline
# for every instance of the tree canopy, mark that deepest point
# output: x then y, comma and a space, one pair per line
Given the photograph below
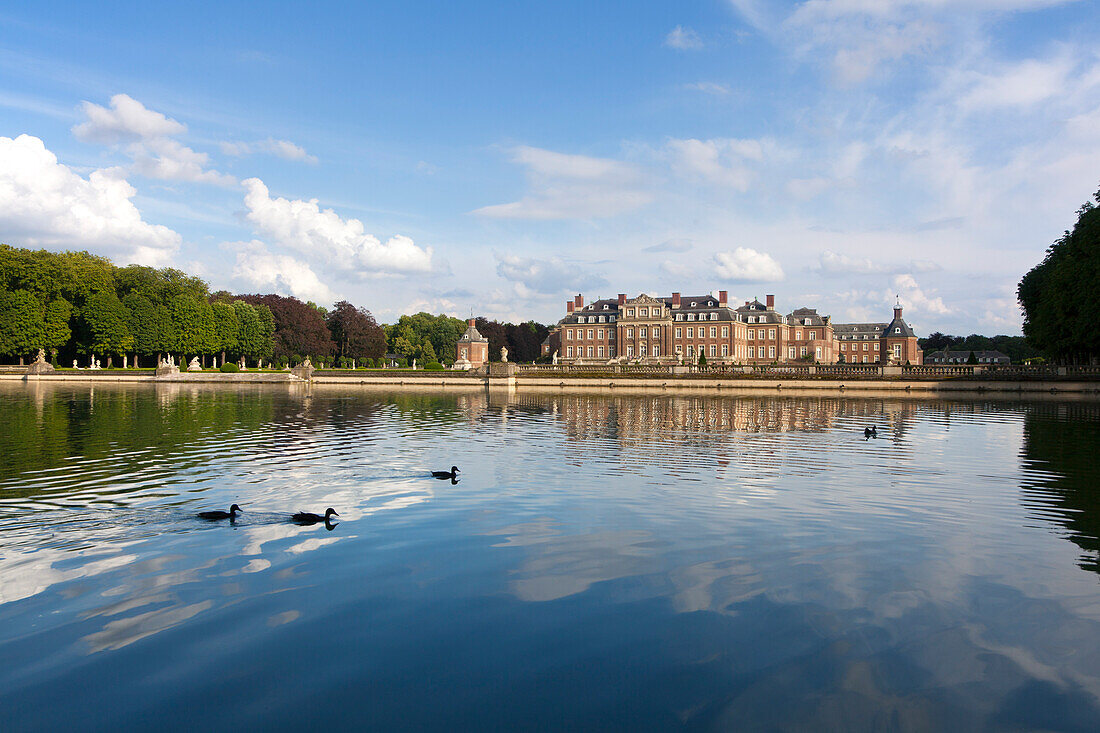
1060, 296
355, 332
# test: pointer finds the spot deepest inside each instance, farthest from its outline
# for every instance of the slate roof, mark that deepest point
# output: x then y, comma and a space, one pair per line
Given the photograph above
859, 331
799, 315
472, 334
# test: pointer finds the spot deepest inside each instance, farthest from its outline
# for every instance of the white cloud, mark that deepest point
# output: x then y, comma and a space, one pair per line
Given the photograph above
126, 121
670, 245
567, 186
724, 162
747, 265
913, 296
148, 137
44, 203
683, 39
838, 264
1020, 84
263, 270
284, 149
548, 276
341, 244
708, 87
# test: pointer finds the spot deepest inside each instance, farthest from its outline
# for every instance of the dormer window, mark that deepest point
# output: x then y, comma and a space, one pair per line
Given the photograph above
897, 329
679, 316
612, 319
693, 304
805, 321
603, 318
714, 316
691, 316
605, 306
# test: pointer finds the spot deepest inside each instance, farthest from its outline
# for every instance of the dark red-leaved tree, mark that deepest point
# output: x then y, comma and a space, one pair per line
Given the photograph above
355, 332
299, 328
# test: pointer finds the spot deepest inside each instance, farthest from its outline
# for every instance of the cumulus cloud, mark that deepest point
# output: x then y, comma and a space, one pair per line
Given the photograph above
724, 162
342, 244
284, 149
912, 294
148, 137
683, 39
546, 276
565, 186
746, 265
263, 270
1021, 84
43, 203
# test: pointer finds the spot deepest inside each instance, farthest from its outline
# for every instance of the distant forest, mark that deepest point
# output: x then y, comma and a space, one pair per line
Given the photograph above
76, 306
1015, 347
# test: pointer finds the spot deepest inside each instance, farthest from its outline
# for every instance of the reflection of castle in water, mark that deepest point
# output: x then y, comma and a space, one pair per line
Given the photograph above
641, 419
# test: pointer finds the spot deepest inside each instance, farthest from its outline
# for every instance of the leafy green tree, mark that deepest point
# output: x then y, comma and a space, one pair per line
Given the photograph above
972, 359
226, 328
167, 334
22, 328
193, 320
56, 326
108, 325
144, 323
1061, 295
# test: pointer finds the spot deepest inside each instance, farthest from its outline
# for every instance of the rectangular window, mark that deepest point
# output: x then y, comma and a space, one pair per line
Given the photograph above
844, 347
679, 332
876, 346
630, 333
590, 333
725, 332
813, 335
771, 351
611, 351
600, 334
569, 352
771, 333
568, 334
725, 349
864, 358
897, 351
865, 348
713, 350
790, 353
599, 350
641, 332
590, 351
656, 332
798, 335
691, 333
818, 353
603, 319
656, 350
713, 332
752, 352
752, 333
629, 350
691, 316
803, 351
643, 311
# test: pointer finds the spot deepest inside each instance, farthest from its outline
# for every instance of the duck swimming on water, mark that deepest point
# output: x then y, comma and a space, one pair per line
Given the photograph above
311, 518
446, 474
217, 514
871, 432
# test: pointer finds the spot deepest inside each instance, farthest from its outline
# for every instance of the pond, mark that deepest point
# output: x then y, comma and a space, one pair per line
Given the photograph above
604, 562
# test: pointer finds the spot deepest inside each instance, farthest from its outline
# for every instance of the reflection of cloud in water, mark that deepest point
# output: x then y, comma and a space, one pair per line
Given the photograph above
26, 575
283, 618
124, 631
562, 565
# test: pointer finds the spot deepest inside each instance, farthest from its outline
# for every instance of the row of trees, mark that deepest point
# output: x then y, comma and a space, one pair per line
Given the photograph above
1016, 348
75, 304
1061, 295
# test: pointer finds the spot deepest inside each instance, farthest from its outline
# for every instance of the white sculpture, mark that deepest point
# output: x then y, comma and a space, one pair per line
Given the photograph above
504, 353
554, 357
124, 361
193, 365
414, 363
74, 364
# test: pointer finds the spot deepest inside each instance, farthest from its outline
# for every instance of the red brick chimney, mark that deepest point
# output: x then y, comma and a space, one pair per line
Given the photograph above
675, 300
579, 300
568, 306
622, 298
770, 302
470, 322
723, 296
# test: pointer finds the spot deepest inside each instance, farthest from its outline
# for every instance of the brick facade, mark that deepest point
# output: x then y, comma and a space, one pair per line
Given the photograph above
678, 329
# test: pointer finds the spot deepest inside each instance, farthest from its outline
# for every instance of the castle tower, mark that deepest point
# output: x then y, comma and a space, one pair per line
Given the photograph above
472, 349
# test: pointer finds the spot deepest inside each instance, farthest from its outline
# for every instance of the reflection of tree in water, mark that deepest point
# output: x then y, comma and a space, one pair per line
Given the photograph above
1060, 446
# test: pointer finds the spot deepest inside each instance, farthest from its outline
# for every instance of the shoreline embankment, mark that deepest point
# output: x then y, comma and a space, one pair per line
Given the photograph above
543, 380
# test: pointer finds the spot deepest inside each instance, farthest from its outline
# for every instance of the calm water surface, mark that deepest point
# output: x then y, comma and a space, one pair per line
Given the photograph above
604, 563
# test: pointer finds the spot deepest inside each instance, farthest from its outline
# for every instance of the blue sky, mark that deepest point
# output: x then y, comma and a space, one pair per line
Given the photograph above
496, 158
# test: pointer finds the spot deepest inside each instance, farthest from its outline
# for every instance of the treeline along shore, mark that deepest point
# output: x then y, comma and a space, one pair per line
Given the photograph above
80, 309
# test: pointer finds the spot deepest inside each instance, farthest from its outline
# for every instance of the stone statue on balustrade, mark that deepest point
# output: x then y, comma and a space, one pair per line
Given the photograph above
504, 354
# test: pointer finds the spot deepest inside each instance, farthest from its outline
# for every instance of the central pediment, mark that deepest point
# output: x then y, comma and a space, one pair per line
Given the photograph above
644, 299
